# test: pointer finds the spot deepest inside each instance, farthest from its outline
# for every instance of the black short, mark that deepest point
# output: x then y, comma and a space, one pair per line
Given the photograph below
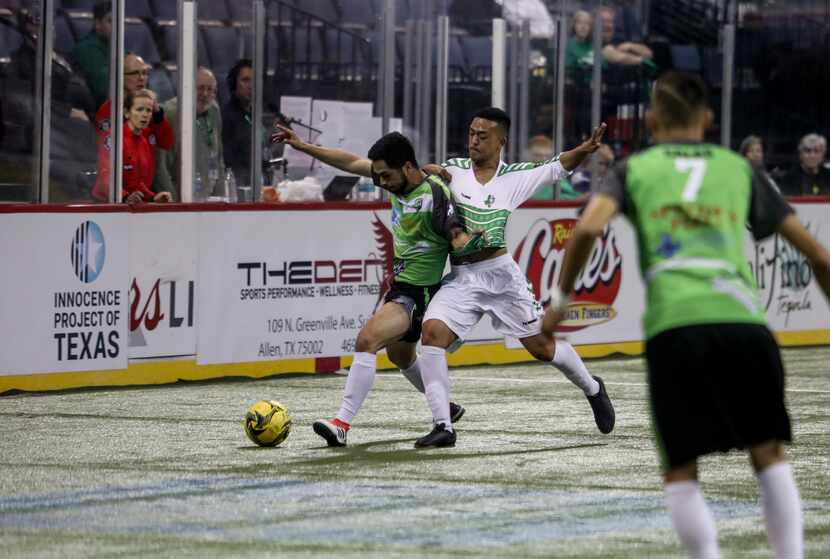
715, 387
414, 299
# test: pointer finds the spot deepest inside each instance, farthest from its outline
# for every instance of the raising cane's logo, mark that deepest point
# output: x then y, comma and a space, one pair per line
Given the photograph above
540, 255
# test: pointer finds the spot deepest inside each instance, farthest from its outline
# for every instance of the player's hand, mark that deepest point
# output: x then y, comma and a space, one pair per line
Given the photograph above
283, 135
163, 197
134, 197
436, 169
593, 143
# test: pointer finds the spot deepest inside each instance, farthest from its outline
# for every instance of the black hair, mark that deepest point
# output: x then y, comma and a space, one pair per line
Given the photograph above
233, 74
395, 149
496, 115
101, 10
678, 97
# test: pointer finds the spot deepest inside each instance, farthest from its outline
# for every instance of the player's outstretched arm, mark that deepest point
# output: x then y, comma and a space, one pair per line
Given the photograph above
342, 159
572, 159
792, 230
596, 216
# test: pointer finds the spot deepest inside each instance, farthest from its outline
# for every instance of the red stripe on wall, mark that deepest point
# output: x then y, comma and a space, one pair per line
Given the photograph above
326, 364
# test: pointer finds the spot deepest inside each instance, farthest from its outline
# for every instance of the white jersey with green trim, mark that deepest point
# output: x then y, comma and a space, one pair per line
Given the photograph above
487, 206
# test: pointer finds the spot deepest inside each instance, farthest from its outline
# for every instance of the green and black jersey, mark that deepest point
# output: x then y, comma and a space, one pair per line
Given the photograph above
422, 221
690, 204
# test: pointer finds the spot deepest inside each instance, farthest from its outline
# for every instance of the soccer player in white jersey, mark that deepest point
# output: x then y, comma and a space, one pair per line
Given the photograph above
487, 191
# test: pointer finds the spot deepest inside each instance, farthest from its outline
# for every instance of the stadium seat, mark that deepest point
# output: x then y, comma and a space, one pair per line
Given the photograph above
241, 12
77, 5
215, 9
359, 13
686, 58
64, 38
162, 83
223, 46
321, 9
165, 10
10, 41
139, 8
170, 35
139, 39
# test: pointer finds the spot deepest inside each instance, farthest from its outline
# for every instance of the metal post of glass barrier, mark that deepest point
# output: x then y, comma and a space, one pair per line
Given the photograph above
260, 16
524, 90
596, 89
442, 88
408, 70
728, 74
187, 97
43, 104
513, 100
559, 88
418, 85
117, 97
426, 98
498, 65
388, 107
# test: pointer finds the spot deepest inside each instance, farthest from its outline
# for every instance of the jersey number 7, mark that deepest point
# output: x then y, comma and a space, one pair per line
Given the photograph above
697, 167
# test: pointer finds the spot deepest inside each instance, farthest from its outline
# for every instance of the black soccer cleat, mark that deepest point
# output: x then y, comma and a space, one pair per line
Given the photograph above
603, 408
438, 437
456, 412
334, 435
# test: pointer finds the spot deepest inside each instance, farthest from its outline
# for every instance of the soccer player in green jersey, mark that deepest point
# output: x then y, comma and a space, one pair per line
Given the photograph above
425, 227
715, 374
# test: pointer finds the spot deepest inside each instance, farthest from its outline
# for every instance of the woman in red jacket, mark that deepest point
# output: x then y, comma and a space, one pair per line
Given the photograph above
145, 130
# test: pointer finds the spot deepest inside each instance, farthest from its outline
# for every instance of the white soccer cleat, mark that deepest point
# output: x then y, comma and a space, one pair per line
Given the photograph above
334, 435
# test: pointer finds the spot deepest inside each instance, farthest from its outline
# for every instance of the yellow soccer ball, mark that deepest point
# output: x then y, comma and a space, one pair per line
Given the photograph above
267, 423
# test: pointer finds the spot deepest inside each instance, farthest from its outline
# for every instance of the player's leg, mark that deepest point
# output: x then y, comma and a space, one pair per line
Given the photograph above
691, 517
451, 314
564, 357
387, 325
405, 357
780, 499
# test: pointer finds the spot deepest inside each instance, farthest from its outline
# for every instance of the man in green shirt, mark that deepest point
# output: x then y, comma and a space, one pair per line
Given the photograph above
209, 162
92, 53
715, 374
425, 227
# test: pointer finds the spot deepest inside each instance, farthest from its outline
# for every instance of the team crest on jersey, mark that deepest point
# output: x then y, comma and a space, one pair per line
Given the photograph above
668, 246
412, 207
152, 139
490, 200
108, 142
104, 125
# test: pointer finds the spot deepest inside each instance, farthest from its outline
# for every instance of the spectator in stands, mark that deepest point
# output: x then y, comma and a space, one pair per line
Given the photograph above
540, 149
579, 54
135, 79
810, 177
209, 163
145, 130
626, 53
92, 53
752, 147
236, 121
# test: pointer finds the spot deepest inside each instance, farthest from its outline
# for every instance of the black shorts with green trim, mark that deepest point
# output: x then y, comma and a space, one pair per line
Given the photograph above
715, 387
413, 298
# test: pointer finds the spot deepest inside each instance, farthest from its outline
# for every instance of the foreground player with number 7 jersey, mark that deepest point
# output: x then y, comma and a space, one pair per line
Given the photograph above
715, 374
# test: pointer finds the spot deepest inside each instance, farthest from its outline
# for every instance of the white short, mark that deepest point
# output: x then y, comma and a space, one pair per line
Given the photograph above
496, 287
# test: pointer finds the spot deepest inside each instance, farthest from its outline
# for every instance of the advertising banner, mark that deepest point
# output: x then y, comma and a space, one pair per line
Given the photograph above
162, 285
64, 292
789, 292
608, 300
290, 284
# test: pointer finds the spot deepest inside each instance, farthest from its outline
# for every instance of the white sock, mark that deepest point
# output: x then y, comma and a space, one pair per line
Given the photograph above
782, 511
692, 519
359, 382
413, 375
436, 383
567, 360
